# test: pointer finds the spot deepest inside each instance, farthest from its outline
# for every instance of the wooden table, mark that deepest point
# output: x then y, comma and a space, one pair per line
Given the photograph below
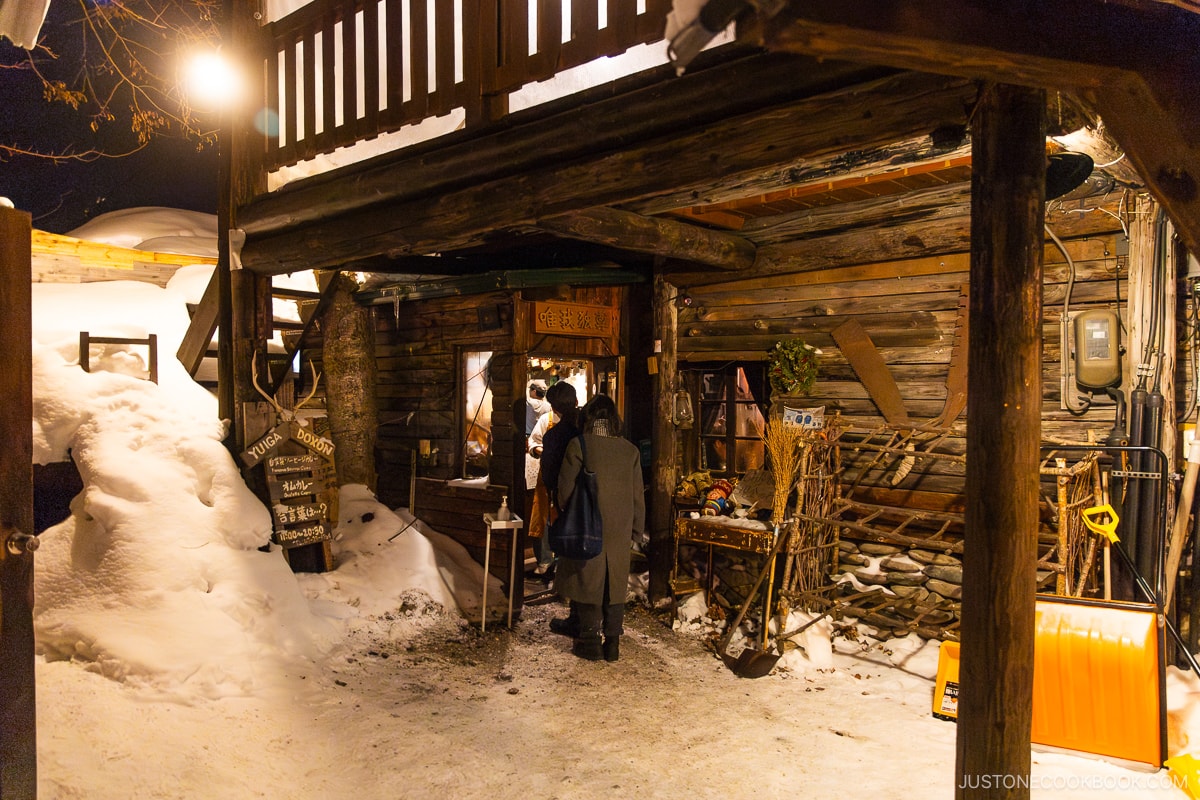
743, 538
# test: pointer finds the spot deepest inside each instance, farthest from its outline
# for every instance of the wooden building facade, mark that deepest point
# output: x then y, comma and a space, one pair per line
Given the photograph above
451, 389
867, 177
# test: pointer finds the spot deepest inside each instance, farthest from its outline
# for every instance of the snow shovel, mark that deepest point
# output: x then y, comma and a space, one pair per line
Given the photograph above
1091, 518
751, 663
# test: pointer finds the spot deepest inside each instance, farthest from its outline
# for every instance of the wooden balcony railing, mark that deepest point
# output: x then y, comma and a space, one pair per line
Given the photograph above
337, 72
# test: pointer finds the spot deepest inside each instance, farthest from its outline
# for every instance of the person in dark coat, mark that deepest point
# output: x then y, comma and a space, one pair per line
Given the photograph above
597, 587
564, 401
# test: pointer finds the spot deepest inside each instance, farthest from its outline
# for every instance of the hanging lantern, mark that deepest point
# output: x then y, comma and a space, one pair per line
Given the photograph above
682, 415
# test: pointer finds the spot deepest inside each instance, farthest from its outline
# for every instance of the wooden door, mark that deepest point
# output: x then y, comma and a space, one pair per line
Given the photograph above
18, 739
608, 377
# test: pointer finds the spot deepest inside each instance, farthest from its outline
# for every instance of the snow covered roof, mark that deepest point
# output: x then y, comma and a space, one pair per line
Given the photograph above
21, 20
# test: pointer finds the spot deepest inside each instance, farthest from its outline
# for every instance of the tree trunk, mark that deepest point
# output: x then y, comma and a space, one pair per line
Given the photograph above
349, 357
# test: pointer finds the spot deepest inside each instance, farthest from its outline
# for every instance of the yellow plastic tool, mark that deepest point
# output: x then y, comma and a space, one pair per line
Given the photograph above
1186, 769
1091, 519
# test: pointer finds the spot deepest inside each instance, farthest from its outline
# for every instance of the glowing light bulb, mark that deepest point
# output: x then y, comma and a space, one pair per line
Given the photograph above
211, 81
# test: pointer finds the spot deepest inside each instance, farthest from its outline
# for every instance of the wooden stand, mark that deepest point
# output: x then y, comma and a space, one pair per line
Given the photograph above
513, 525
735, 537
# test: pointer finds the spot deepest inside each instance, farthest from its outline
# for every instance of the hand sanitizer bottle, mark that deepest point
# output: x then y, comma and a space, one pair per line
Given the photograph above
502, 513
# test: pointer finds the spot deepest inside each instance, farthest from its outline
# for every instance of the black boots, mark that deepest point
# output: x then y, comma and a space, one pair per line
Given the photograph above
565, 626
589, 649
612, 648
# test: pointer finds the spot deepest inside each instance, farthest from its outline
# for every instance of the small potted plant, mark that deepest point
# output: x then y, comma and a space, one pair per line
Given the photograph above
792, 366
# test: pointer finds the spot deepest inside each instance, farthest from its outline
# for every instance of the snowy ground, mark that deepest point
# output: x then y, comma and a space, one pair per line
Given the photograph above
178, 660
418, 705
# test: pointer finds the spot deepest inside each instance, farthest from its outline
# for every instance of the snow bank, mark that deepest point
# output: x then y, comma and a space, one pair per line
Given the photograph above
156, 576
384, 556
160, 577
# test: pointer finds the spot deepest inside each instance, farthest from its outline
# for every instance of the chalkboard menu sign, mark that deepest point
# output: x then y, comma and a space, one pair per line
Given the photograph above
299, 483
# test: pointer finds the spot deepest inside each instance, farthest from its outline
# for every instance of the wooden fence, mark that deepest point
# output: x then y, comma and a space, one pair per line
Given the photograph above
337, 72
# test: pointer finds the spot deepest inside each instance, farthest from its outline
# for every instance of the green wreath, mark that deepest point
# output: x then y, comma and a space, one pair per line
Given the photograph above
792, 366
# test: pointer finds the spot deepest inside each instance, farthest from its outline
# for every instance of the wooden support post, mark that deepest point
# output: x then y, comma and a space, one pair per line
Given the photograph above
665, 450
995, 709
250, 319
18, 733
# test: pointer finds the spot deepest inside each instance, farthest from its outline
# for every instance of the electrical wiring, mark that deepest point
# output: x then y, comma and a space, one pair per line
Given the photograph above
1064, 332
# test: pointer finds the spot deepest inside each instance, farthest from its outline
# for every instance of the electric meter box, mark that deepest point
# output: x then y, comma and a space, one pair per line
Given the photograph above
1097, 349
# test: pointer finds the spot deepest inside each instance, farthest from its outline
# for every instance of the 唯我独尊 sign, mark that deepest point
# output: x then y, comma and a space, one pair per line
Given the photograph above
573, 319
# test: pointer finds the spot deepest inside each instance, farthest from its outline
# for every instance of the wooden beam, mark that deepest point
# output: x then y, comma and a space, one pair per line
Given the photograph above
66, 259
884, 241
18, 717
603, 119
1054, 44
664, 441
1135, 63
896, 107
909, 210
1004, 401
888, 161
662, 237
194, 347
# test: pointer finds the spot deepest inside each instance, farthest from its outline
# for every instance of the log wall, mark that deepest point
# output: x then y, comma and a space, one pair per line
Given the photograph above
418, 358
418, 346
910, 310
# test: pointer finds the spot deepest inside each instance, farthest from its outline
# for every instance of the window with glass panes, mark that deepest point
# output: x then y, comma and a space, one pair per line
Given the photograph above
730, 421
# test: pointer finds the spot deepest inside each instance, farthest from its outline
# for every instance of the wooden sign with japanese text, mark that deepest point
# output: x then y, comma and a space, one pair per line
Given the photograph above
574, 319
299, 484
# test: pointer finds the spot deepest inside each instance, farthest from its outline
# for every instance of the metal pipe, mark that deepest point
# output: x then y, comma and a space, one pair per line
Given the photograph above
1130, 523
1149, 527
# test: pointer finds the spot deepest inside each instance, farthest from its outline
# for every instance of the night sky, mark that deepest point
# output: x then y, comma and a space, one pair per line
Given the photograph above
62, 196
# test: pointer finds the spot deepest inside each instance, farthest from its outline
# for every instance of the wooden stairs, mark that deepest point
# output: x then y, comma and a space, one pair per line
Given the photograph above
198, 353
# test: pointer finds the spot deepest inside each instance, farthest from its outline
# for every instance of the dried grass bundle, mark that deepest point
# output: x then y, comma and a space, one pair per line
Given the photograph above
783, 442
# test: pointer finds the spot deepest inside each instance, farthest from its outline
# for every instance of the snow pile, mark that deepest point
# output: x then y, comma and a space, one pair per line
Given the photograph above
157, 570
124, 309
158, 230
384, 554
157, 579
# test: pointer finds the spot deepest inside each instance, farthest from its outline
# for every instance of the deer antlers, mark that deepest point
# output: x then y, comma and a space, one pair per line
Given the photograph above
283, 412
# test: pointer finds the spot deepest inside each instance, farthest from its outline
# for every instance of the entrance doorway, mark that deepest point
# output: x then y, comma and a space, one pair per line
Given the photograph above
590, 376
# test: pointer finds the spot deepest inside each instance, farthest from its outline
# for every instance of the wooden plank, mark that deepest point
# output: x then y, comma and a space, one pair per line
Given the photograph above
273, 155
193, 348
938, 237
397, 55
442, 100
328, 86
370, 62
914, 328
418, 61
57, 258
347, 132
18, 717
291, 107
308, 112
